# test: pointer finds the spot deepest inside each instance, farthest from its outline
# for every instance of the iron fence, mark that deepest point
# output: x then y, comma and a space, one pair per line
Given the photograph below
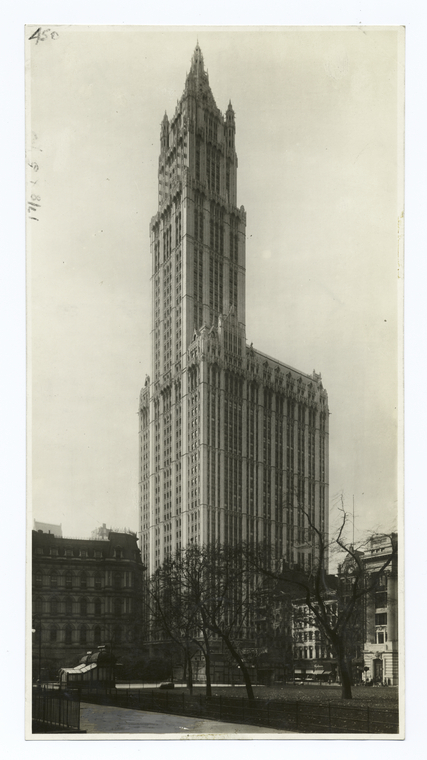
55, 711
300, 717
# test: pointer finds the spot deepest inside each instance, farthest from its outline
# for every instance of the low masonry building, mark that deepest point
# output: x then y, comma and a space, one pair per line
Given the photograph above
380, 650
85, 593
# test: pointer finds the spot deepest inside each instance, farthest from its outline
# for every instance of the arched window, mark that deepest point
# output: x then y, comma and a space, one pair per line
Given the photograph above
53, 580
97, 635
83, 606
98, 607
54, 606
83, 634
83, 580
68, 634
68, 580
68, 606
53, 633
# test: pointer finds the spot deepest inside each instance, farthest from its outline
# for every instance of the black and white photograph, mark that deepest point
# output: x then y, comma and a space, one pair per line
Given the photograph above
214, 283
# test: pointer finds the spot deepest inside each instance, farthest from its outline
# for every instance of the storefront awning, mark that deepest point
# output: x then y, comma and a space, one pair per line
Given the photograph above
79, 669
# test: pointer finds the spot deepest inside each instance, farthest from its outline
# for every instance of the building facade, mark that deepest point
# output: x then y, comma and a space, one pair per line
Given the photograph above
314, 659
233, 443
381, 646
85, 594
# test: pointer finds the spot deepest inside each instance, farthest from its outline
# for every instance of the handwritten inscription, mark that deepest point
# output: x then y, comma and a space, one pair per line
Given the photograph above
33, 204
41, 35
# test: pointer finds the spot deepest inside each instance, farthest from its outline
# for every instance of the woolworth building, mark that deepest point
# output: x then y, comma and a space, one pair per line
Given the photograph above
233, 443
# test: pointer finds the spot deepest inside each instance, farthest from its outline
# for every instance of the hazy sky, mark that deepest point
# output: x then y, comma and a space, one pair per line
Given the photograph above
317, 117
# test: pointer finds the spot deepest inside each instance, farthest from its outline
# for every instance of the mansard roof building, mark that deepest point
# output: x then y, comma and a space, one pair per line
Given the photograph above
233, 443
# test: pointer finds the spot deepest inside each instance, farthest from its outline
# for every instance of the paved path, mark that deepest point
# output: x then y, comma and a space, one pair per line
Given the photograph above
102, 719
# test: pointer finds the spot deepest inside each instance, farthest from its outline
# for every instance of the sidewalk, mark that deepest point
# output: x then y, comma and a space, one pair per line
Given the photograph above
102, 719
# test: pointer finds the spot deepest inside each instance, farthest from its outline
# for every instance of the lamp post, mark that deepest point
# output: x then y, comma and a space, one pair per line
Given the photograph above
37, 626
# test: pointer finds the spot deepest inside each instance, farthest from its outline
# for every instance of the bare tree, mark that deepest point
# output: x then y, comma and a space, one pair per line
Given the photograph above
171, 614
336, 621
202, 591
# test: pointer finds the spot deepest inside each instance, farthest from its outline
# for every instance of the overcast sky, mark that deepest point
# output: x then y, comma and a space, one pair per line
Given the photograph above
317, 117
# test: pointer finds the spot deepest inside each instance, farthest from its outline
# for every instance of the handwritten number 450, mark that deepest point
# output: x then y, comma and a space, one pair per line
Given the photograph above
42, 35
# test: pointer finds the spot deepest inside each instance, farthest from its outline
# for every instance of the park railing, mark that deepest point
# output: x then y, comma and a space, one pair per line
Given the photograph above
55, 712
299, 717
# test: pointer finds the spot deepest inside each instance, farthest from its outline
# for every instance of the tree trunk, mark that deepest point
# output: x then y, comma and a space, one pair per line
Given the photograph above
207, 654
190, 673
345, 676
184, 669
241, 664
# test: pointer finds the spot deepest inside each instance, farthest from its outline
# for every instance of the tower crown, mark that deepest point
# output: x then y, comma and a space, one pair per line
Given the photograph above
197, 64
197, 81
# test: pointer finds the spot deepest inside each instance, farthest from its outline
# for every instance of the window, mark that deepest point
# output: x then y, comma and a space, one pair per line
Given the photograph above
39, 580
97, 635
381, 618
68, 634
380, 638
68, 607
118, 552
68, 580
98, 581
53, 580
97, 607
83, 580
83, 606
117, 606
83, 634
53, 606
53, 634
117, 580
38, 606
118, 635
380, 599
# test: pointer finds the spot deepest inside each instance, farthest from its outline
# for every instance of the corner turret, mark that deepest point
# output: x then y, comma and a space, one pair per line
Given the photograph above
164, 133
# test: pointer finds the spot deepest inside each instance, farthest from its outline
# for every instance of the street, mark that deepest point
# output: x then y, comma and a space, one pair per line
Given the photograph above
101, 719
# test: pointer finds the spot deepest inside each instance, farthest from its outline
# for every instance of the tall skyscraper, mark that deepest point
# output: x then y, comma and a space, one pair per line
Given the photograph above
233, 443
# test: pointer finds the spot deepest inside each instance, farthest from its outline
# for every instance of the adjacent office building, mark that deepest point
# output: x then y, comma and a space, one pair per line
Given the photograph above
233, 443
86, 593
